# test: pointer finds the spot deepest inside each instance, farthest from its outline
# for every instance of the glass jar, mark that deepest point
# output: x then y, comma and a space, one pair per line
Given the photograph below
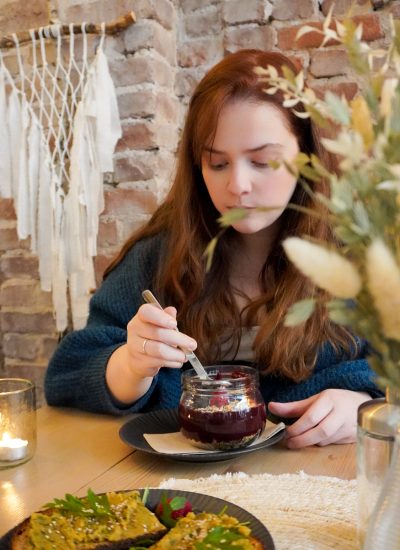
375, 439
225, 412
383, 531
17, 421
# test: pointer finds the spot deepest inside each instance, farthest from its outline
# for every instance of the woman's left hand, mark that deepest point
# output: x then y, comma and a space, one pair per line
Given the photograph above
327, 417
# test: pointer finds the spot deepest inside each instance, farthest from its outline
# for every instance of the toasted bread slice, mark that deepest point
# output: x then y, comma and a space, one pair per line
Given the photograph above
195, 528
130, 524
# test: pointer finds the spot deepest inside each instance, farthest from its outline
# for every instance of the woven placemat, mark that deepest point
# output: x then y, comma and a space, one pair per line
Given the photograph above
302, 512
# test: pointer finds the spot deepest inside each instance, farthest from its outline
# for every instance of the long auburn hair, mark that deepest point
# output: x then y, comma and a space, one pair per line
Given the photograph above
205, 302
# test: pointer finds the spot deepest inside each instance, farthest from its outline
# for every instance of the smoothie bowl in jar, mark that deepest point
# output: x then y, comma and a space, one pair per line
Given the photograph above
224, 412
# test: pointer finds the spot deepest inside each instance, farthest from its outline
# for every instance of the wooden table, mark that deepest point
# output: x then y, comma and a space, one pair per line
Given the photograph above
78, 450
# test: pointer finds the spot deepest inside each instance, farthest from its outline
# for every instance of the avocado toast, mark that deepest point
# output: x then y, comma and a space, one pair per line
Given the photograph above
123, 523
205, 530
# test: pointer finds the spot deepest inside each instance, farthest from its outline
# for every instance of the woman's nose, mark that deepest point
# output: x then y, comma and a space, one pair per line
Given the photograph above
238, 180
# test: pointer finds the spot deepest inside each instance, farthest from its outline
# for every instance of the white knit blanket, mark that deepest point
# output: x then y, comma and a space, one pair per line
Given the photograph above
302, 512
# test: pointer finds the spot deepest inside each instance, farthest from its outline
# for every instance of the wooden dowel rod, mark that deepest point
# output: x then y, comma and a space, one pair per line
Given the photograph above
51, 31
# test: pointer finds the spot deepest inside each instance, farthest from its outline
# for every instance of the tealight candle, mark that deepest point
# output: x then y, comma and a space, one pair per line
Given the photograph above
12, 448
17, 421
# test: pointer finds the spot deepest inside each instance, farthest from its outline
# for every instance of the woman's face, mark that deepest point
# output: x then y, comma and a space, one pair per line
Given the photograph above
235, 165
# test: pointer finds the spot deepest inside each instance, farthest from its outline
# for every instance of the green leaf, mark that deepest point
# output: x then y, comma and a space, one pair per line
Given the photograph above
319, 167
361, 218
232, 216
209, 252
289, 74
177, 503
301, 159
317, 116
274, 164
91, 505
310, 173
145, 495
341, 312
347, 235
220, 538
338, 108
342, 195
300, 312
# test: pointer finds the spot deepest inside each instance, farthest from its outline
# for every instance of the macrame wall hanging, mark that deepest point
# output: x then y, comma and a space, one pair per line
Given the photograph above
59, 127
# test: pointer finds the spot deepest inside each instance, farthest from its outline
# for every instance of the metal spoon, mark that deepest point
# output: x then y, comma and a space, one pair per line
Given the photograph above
149, 297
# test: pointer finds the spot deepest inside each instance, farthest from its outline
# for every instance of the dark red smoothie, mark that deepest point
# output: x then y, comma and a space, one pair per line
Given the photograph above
220, 427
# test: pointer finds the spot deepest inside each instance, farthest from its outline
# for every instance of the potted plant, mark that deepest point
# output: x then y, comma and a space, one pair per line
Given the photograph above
362, 275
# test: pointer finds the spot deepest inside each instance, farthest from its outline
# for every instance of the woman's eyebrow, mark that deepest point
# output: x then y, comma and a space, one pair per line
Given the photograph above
252, 150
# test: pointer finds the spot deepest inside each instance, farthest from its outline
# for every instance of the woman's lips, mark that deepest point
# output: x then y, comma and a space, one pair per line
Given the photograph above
241, 206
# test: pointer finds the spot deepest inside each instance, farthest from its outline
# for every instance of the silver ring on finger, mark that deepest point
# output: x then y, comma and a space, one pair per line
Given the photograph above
145, 340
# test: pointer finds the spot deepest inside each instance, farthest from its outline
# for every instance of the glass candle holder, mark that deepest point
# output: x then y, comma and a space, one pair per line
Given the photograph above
224, 412
17, 421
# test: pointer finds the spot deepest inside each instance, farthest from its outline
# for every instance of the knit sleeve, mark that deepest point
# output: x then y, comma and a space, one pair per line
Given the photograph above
76, 373
334, 370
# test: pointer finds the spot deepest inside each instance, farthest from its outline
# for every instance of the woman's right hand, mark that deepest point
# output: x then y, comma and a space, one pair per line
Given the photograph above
153, 341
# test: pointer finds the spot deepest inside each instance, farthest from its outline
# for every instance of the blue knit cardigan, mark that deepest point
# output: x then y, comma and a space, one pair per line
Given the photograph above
76, 373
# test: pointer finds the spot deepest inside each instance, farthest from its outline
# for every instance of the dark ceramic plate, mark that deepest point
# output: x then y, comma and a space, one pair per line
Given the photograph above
166, 421
200, 503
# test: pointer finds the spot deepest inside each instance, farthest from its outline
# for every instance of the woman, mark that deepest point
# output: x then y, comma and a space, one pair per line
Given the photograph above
128, 358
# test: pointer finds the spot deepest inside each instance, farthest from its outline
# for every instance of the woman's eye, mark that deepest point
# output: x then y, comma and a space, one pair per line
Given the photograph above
219, 166
260, 164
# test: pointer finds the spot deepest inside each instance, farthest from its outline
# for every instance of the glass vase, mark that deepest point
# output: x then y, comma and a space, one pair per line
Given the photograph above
383, 531
376, 429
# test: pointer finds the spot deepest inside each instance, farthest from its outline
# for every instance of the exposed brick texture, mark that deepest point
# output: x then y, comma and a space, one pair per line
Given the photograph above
149, 34
395, 10
7, 211
16, 16
149, 103
155, 65
347, 89
162, 11
342, 7
330, 62
286, 11
24, 293
249, 36
22, 346
26, 321
95, 11
237, 11
189, 6
186, 81
207, 21
100, 263
140, 69
201, 51
17, 263
146, 134
8, 236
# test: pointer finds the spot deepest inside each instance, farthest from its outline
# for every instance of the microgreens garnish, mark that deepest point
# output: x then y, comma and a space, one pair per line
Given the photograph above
220, 538
91, 505
145, 495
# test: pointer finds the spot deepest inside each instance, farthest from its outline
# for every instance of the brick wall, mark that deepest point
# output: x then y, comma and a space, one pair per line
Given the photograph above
155, 65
